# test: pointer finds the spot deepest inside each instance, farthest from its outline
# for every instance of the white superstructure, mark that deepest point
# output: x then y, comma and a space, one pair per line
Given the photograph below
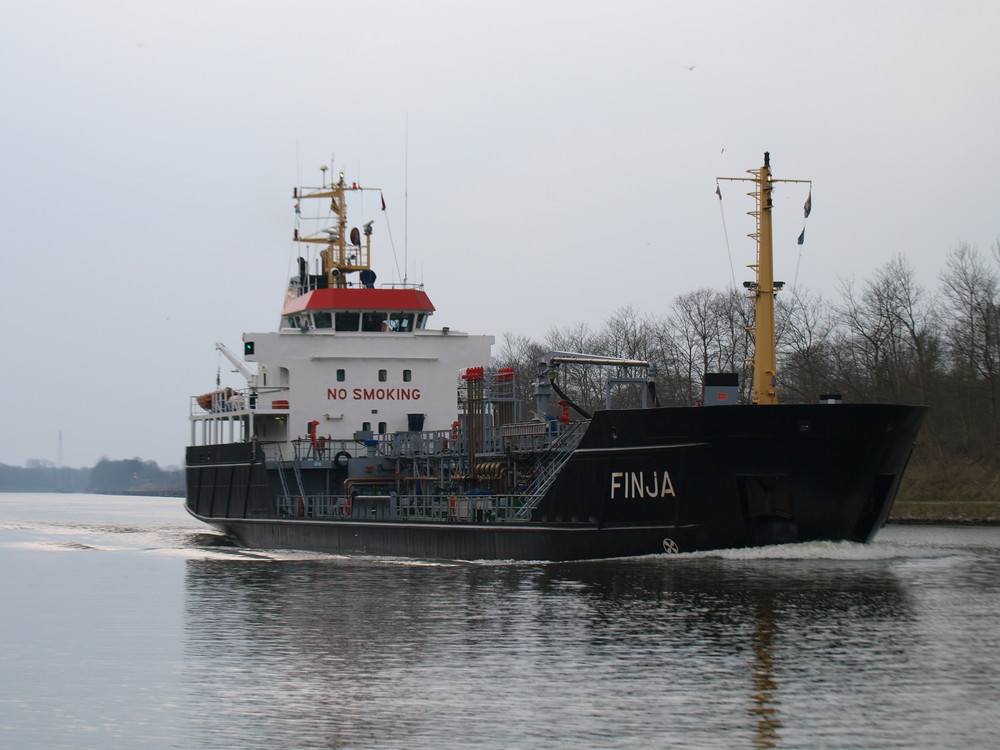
349, 360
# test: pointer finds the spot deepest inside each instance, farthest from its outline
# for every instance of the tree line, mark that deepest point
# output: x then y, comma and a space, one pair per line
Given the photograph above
885, 339
129, 476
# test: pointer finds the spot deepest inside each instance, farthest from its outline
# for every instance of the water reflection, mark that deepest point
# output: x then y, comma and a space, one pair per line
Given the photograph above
765, 706
616, 654
761, 614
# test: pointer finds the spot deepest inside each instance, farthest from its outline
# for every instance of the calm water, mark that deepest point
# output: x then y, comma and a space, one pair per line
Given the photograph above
125, 624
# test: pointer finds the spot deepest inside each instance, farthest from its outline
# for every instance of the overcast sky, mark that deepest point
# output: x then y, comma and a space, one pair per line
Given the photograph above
560, 159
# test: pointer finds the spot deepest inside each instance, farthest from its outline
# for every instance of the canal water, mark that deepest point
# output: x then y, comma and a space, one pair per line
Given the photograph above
125, 624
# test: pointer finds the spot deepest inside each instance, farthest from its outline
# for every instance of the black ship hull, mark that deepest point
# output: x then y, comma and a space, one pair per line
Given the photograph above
456, 541
640, 481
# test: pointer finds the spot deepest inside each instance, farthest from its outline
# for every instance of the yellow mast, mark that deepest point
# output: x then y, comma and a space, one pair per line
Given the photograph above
765, 357
337, 261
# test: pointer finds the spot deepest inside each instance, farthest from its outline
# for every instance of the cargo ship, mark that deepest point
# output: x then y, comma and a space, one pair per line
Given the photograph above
362, 429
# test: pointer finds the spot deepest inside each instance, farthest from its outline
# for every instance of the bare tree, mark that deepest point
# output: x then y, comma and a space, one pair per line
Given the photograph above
887, 344
629, 335
706, 331
735, 314
970, 294
805, 348
523, 354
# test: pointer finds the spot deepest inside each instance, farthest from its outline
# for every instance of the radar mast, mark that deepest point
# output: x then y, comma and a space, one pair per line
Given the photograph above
344, 252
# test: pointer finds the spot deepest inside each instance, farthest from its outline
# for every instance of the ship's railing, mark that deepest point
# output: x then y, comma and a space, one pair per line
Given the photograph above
311, 450
217, 401
426, 443
457, 508
219, 417
521, 437
226, 415
528, 436
313, 506
227, 401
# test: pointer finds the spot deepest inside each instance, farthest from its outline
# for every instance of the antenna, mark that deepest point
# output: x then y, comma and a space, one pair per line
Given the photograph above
406, 201
298, 164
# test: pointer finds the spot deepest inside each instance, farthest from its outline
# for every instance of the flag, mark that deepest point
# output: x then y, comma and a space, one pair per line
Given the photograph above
802, 237
718, 191
298, 208
808, 207
383, 201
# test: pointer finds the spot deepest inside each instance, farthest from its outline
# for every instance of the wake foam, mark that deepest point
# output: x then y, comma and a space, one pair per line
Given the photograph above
879, 550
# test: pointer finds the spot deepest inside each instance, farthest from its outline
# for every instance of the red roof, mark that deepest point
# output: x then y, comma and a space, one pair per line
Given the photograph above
361, 298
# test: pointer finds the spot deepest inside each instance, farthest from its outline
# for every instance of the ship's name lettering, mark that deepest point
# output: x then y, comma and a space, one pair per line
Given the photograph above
373, 394
630, 485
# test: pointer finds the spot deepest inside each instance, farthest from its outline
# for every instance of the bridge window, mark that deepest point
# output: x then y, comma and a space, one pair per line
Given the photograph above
347, 321
401, 322
373, 321
323, 320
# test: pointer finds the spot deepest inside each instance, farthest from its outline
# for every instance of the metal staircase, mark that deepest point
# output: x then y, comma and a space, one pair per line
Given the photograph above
536, 482
280, 466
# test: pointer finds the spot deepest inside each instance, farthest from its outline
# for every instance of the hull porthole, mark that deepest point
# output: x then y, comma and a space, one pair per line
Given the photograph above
670, 546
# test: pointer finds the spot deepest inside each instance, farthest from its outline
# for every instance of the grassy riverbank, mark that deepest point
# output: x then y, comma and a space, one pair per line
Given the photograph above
953, 490
945, 512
